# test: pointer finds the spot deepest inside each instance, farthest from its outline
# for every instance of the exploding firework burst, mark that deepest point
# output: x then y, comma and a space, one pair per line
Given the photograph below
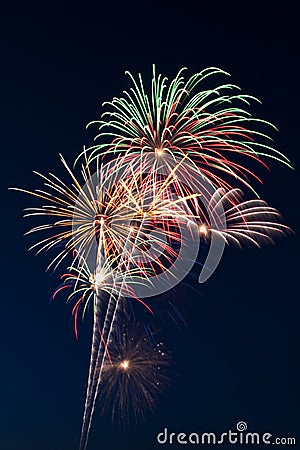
109, 213
184, 118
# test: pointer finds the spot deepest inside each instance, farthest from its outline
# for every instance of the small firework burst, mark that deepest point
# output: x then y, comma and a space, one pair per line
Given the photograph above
136, 374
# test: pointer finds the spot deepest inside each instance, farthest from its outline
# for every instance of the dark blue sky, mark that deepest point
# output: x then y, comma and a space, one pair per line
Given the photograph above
239, 358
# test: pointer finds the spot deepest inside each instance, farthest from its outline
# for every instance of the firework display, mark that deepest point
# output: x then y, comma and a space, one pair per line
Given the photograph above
165, 173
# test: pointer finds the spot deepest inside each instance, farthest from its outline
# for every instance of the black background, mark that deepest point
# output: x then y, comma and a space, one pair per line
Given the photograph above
239, 357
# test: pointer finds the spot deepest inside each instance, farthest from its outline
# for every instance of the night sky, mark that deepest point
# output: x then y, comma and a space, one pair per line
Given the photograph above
239, 357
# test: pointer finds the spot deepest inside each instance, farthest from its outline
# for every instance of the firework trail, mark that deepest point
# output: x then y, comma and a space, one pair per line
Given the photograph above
169, 167
148, 197
100, 342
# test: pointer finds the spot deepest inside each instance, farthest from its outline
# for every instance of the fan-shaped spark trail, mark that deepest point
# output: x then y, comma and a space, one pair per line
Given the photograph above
247, 221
